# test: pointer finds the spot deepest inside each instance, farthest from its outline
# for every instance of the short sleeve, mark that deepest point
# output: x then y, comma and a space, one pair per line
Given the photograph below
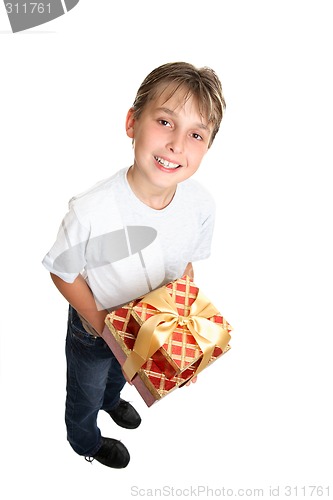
66, 258
202, 248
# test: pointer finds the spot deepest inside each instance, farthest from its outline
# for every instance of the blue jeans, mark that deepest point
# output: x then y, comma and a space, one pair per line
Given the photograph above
94, 382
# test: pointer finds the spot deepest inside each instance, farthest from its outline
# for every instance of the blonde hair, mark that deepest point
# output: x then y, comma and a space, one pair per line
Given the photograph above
201, 83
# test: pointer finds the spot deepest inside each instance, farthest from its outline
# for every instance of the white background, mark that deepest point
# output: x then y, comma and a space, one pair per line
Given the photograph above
261, 416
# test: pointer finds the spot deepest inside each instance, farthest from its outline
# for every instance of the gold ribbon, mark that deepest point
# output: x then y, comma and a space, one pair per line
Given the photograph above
156, 330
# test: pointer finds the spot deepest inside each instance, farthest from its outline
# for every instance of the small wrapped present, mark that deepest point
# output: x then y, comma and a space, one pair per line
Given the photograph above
166, 337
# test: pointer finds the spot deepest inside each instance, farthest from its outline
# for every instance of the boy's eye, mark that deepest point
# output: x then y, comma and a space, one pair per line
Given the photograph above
164, 122
197, 136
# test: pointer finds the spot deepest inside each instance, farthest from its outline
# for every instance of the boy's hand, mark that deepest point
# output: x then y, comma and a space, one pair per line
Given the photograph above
189, 270
192, 381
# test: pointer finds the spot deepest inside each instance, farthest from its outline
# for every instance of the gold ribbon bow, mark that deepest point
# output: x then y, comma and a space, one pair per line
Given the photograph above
156, 330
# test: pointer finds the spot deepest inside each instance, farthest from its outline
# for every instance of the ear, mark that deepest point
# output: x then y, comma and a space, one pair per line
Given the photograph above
130, 123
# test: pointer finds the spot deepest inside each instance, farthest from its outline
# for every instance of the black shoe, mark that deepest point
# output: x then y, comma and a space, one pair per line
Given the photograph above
112, 453
125, 415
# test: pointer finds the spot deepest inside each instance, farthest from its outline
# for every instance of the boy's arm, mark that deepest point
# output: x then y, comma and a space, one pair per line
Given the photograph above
189, 270
79, 295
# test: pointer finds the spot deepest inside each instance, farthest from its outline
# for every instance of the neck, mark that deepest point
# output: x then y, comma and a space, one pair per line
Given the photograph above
154, 197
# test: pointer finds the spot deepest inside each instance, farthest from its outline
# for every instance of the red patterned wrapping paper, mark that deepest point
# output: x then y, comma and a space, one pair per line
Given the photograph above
178, 359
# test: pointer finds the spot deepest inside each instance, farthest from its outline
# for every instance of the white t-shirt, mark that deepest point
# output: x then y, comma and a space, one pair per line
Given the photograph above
125, 248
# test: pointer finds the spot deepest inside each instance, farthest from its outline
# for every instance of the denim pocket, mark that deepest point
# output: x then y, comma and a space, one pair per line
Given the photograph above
77, 330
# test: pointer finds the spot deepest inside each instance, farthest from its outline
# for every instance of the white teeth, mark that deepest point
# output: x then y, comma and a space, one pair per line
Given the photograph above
165, 163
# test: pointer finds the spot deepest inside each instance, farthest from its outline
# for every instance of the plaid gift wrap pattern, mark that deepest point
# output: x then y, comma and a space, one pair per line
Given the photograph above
180, 353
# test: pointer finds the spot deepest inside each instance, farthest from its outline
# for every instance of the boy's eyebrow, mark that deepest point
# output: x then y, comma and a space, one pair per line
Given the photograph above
173, 114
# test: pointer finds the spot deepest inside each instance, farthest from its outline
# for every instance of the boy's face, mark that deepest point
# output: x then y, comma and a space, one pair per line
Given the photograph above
170, 139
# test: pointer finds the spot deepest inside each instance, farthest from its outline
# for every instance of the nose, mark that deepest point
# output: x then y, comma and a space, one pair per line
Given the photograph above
176, 143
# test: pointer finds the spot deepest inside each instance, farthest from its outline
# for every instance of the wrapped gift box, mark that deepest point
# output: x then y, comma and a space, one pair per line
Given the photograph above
166, 337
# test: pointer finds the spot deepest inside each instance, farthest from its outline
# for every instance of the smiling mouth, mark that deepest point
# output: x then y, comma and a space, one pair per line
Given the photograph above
166, 164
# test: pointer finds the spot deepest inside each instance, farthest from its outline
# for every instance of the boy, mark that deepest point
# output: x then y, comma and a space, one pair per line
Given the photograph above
130, 234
